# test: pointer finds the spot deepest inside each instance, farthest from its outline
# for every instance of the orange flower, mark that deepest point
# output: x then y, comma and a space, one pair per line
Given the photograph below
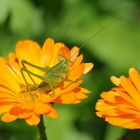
121, 105
28, 98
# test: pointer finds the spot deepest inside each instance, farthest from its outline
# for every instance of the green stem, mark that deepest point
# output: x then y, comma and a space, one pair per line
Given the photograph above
41, 128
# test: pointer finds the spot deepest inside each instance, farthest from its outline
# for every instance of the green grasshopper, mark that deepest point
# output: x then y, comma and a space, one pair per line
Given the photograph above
53, 76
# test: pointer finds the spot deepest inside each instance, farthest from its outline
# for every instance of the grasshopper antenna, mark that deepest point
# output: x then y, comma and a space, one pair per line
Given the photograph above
91, 37
65, 30
63, 36
96, 33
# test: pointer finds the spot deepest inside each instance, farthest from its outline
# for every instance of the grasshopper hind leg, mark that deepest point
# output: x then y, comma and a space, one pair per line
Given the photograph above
24, 62
38, 76
22, 70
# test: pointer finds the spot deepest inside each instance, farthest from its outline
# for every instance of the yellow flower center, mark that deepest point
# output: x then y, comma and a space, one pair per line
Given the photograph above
32, 95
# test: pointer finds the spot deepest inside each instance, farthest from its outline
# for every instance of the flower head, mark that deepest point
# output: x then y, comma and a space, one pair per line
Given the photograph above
30, 83
121, 105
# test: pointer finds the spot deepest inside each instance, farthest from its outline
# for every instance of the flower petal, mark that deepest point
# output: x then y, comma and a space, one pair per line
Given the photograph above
74, 53
47, 52
7, 117
34, 119
128, 86
88, 67
41, 108
52, 113
5, 107
29, 51
135, 77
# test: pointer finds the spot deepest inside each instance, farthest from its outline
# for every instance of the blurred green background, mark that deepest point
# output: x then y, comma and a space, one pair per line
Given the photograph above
113, 51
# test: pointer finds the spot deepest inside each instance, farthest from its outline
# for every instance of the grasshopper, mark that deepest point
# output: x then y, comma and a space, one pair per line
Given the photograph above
53, 76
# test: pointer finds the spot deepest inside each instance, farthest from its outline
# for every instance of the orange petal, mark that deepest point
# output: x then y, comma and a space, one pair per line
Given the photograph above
6, 93
52, 113
68, 87
5, 108
127, 85
41, 108
5, 75
8, 117
126, 97
29, 51
27, 105
88, 67
67, 98
47, 52
75, 96
74, 53
57, 47
77, 62
2, 60
80, 96
110, 96
128, 109
77, 72
102, 106
34, 119
15, 70
12, 56
115, 80
77, 101
21, 110
19, 113
83, 90
135, 77
65, 52
123, 122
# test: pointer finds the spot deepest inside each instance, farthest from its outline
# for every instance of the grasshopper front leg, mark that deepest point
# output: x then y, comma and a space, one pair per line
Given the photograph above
23, 62
22, 70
